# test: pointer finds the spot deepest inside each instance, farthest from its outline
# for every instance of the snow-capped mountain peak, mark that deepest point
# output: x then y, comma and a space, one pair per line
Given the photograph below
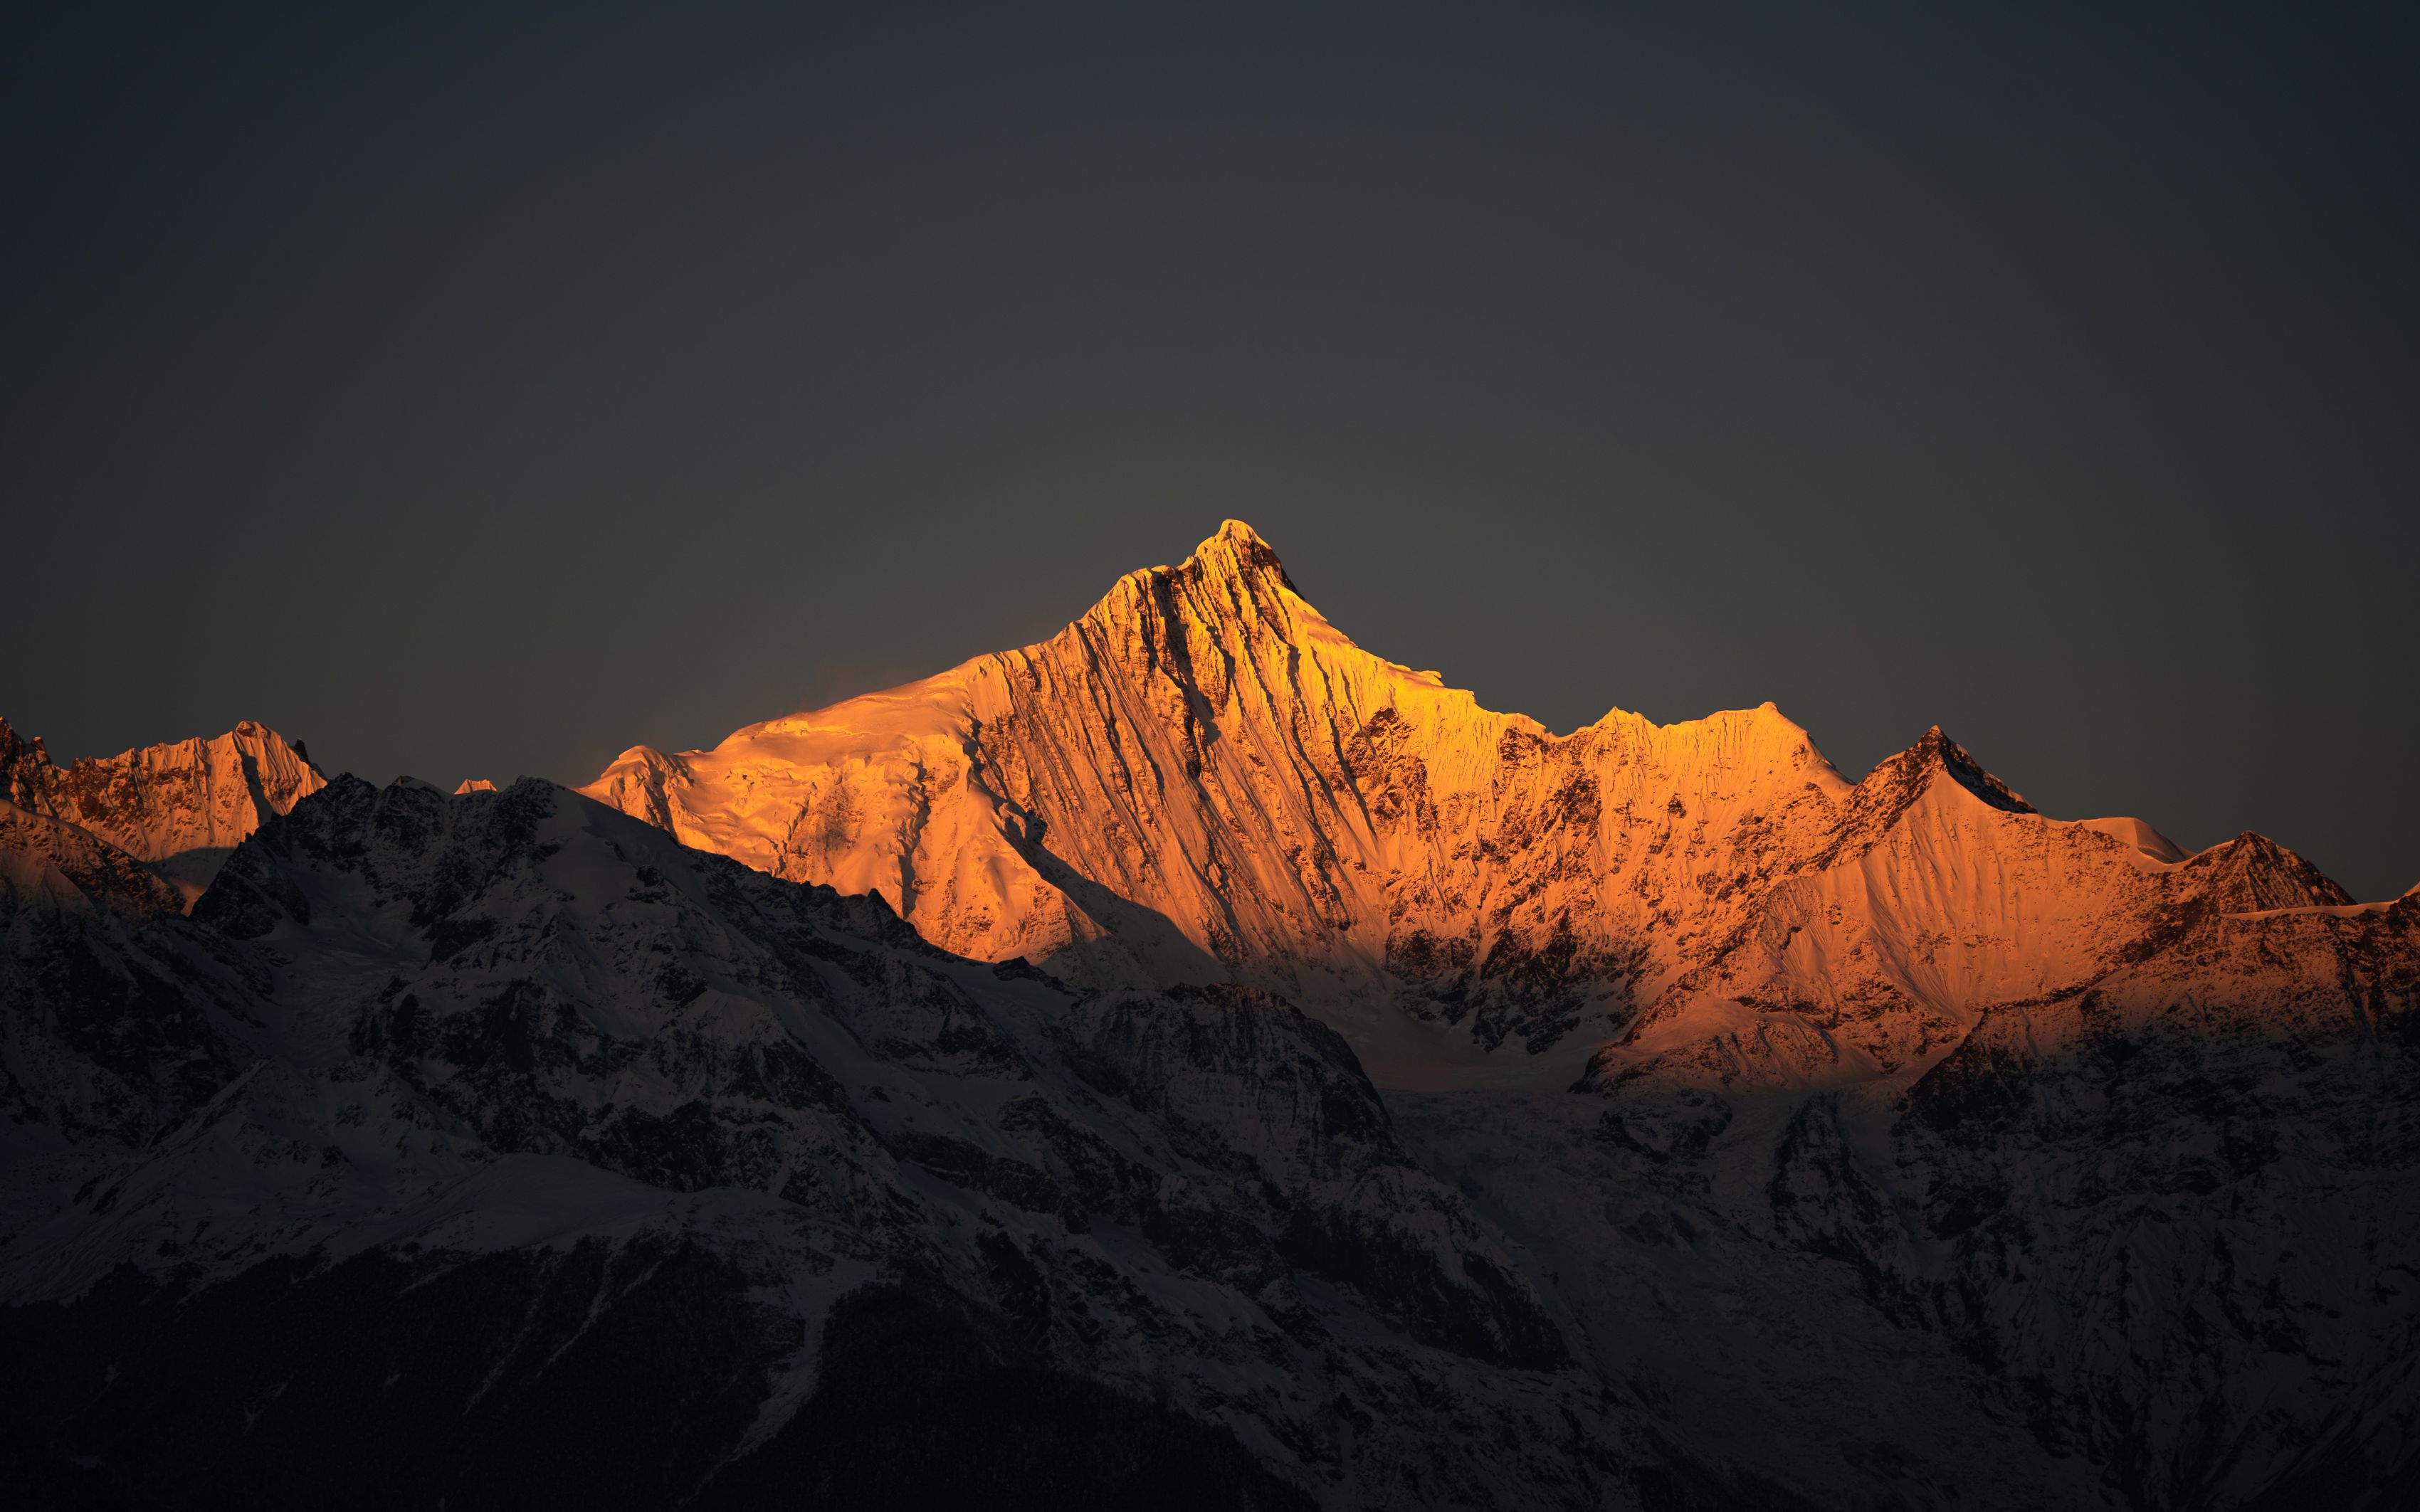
1204, 779
1705, 1128
181, 805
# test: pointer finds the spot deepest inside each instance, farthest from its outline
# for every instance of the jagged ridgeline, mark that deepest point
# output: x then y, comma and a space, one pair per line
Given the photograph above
179, 808
972, 1093
1203, 779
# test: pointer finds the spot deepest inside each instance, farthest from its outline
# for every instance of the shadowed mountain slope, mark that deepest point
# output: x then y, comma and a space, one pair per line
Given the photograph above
180, 806
520, 1050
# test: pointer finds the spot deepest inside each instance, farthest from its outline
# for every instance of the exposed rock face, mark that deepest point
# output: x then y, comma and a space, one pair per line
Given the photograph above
2220, 1162
1936, 899
50, 866
180, 806
2155, 1234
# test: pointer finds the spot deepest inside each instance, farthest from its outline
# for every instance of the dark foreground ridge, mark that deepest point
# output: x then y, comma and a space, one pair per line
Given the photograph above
592, 1378
522, 1156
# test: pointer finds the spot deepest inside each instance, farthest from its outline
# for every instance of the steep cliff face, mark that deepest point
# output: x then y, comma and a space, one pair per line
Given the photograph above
1201, 779
180, 806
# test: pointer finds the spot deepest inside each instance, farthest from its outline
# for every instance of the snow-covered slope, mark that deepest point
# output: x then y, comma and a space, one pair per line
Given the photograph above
180, 806
2157, 1234
48, 865
433, 1029
1938, 897
103, 1041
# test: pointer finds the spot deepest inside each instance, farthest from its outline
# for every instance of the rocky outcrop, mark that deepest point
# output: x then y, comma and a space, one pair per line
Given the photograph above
105, 1040
180, 806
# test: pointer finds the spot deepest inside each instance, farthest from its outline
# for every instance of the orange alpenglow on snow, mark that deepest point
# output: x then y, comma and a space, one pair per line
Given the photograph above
1202, 779
180, 807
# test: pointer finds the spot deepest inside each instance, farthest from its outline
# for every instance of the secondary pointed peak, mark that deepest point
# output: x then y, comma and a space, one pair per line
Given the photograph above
23, 764
2253, 872
1936, 749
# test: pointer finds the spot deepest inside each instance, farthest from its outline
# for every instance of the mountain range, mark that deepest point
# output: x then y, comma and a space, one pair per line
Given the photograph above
1194, 1061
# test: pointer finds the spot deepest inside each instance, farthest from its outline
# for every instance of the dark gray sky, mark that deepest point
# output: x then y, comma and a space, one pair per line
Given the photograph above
478, 396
